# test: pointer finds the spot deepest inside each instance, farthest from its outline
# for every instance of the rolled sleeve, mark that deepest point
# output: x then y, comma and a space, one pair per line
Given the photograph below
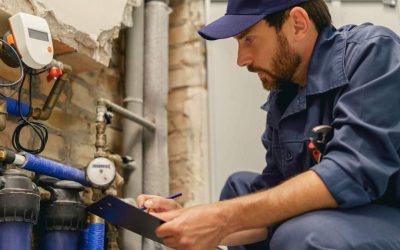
364, 151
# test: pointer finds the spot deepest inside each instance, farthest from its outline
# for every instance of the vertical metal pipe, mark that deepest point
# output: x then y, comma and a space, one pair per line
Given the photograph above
156, 169
132, 132
3, 114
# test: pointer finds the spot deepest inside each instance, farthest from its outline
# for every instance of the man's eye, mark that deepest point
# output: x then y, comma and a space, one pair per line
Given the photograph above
248, 40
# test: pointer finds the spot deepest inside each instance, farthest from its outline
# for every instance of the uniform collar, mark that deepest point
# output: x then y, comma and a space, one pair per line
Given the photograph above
326, 72
326, 69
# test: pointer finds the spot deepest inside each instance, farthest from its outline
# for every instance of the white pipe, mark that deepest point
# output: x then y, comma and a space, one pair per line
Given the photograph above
133, 133
156, 168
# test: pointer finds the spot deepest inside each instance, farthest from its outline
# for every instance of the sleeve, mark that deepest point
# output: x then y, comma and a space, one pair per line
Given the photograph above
364, 151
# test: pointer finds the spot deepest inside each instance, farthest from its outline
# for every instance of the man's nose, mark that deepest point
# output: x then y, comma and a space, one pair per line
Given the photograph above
244, 58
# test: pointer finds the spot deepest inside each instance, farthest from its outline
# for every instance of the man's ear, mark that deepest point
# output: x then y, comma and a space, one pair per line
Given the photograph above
300, 22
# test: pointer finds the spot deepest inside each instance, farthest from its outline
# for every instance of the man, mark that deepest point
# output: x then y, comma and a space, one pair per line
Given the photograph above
348, 79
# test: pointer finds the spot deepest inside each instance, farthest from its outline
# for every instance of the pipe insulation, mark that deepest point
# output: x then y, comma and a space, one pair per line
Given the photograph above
96, 234
156, 169
132, 132
13, 108
54, 169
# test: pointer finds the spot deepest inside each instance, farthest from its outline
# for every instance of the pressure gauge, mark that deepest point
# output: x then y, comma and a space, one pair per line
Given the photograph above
31, 34
101, 172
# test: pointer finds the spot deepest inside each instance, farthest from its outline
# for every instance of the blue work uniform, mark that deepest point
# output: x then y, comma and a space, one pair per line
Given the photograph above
353, 85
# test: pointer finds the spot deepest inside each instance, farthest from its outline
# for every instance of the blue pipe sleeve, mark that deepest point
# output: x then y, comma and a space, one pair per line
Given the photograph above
96, 237
15, 235
61, 240
54, 169
13, 109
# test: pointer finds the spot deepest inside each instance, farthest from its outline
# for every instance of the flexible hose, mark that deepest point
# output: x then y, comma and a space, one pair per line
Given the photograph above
54, 169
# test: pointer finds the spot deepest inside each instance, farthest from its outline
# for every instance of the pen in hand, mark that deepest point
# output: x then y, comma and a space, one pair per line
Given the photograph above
168, 197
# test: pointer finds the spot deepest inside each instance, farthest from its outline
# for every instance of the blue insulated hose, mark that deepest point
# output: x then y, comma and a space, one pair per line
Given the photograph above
13, 109
54, 169
96, 236
61, 240
15, 235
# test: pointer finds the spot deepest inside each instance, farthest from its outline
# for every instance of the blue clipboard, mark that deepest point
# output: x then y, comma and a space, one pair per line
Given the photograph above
122, 214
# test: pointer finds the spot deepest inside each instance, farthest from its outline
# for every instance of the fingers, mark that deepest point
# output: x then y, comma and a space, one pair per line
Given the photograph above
156, 203
168, 216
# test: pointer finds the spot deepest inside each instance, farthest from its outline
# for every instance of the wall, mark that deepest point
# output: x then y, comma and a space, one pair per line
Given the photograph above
187, 107
236, 120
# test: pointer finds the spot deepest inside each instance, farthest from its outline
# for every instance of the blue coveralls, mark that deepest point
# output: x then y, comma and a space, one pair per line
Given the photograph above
354, 86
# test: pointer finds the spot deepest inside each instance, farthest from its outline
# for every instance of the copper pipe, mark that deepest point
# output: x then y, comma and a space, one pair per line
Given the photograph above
3, 114
52, 99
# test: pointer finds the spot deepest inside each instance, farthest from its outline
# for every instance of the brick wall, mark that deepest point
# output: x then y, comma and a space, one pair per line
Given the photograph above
187, 104
72, 124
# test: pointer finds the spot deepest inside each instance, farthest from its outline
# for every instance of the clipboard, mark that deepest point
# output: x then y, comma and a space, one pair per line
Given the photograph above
122, 214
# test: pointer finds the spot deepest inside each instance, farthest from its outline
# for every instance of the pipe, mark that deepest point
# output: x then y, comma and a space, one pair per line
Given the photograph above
133, 133
96, 234
54, 169
156, 169
127, 114
101, 126
19, 206
13, 107
45, 112
3, 114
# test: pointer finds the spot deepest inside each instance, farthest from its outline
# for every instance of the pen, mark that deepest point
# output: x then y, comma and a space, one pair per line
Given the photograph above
168, 197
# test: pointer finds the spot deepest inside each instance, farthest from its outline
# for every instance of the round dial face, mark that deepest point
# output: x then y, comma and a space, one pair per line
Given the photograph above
101, 172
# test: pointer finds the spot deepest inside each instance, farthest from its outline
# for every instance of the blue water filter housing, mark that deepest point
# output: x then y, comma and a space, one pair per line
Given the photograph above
19, 203
65, 217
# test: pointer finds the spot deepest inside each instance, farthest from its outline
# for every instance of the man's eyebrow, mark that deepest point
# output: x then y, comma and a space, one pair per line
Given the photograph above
241, 35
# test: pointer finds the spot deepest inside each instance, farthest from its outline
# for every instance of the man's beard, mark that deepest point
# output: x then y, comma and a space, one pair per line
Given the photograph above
285, 63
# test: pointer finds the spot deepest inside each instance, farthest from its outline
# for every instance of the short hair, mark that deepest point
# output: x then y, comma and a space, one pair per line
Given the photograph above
317, 10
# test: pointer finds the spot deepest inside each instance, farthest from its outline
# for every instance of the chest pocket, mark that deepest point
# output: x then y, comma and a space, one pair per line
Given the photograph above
295, 157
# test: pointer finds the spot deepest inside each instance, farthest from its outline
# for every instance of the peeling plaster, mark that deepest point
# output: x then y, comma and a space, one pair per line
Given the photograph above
87, 26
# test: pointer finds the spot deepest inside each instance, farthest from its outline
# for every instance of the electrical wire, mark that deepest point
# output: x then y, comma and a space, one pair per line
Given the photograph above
21, 76
39, 128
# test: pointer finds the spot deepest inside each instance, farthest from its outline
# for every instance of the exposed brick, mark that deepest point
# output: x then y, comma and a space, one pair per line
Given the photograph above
55, 148
183, 33
82, 154
91, 77
187, 76
67, 122
83, 97
180, 13
114, 140
188, 54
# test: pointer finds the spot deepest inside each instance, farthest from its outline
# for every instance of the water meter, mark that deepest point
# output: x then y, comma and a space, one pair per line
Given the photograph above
101, 172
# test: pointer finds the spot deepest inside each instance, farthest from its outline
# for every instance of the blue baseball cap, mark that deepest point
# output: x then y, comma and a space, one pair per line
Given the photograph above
242, 14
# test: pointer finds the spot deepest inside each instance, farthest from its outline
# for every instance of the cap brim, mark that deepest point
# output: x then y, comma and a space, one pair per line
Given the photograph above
229, 26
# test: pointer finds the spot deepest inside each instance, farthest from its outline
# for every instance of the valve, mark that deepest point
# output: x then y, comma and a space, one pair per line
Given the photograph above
54, 73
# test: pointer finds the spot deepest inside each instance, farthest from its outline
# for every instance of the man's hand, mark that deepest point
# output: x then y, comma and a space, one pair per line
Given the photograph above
157, 204
196, 228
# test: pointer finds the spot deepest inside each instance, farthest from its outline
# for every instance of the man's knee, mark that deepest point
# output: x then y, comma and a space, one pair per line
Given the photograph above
310, 231
237, 184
